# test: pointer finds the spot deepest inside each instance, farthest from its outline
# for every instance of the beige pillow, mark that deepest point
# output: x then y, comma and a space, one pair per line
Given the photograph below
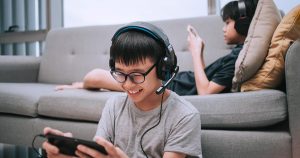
271, 73
251, 57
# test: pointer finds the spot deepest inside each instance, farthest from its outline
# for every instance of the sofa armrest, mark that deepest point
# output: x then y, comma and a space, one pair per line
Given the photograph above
292, 75
19, 68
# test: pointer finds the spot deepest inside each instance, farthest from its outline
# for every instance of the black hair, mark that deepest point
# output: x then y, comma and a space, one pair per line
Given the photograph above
132, 47
231, 10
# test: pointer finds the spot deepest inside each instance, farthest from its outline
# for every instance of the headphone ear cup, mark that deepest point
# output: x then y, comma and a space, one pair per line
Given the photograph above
166, 66
160, 69
242, 25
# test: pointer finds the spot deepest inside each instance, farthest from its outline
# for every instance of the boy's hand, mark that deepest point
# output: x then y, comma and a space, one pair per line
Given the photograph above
53, 151
195, 42
74, 85
113, 152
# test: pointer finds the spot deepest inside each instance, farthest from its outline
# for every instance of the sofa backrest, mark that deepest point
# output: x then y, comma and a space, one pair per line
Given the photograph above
72, 52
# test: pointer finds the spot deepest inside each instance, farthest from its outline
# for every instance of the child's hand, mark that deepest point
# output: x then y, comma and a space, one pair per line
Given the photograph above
53, 151
74, 85
113, 151
195, 42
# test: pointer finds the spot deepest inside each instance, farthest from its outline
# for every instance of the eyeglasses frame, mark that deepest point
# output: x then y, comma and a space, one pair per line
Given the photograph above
130, 77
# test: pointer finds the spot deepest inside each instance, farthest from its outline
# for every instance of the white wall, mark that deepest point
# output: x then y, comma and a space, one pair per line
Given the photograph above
99, 12
286, 5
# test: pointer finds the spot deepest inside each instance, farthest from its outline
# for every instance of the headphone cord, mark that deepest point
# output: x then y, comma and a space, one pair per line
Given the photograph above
160, 114
34, 148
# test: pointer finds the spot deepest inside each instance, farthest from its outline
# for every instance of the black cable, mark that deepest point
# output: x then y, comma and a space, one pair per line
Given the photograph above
160, 113
34, 148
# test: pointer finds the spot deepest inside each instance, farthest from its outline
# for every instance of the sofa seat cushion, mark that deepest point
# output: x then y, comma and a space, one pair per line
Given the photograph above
231, 110
22, 98
241, 110
74, 104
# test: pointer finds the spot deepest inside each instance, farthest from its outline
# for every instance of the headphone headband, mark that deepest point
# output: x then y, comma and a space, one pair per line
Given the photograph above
147, 28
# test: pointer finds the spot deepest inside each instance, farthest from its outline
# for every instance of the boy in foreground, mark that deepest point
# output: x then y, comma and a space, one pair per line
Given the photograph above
150, 121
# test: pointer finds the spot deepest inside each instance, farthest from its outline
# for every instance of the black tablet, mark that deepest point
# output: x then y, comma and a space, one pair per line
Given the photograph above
68, 145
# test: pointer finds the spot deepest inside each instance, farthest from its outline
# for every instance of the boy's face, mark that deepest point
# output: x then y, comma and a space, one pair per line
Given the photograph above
230, 34
141, 93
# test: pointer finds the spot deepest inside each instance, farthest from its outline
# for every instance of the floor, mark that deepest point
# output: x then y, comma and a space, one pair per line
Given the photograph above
12, 151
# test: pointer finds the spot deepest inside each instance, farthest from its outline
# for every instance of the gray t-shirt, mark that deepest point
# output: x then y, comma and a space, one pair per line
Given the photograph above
179, 129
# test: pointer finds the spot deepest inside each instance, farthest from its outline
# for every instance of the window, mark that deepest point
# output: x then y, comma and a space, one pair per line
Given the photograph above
25, 23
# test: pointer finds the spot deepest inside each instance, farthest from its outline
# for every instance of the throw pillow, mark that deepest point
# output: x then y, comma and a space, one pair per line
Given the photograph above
271, 73
252, 56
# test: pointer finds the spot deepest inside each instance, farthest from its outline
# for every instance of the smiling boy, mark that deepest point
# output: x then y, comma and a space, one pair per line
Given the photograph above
150, 121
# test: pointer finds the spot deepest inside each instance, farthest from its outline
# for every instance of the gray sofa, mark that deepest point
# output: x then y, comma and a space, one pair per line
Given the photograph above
258, 124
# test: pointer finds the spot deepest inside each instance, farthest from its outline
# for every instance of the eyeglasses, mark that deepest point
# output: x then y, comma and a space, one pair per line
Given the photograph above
135, 77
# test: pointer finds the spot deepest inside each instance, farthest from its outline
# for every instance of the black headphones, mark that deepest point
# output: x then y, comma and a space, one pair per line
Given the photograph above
166, 67
243, 22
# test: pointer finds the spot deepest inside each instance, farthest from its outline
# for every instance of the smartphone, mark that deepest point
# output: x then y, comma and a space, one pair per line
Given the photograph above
68, 145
